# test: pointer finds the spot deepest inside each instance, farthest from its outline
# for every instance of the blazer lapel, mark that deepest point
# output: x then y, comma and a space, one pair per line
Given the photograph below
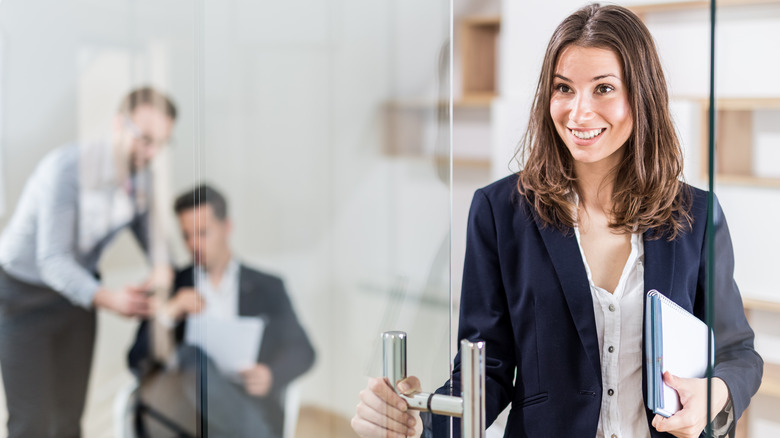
659, 275
567, 261
659, 265
246, 305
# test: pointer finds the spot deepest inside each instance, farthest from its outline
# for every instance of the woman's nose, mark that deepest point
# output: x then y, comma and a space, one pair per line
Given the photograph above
582, 109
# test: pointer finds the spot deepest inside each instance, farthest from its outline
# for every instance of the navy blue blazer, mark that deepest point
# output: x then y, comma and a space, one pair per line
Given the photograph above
526, 294
285, 347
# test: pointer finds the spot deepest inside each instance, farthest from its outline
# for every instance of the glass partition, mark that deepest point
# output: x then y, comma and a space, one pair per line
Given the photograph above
341, 143
77, 168
325, 126
746, 175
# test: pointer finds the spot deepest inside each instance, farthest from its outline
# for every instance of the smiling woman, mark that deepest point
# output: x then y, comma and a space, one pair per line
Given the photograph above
559, 257
590, 108
618, 54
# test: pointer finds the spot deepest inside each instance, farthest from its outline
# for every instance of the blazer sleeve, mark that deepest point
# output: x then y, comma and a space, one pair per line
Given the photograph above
736, 360
484, 315
287, 349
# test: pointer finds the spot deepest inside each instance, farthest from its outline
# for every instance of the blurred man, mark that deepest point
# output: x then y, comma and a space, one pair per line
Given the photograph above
218, 286
76, 201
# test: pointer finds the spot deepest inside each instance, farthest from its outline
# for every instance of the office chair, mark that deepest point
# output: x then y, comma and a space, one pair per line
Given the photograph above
127, 412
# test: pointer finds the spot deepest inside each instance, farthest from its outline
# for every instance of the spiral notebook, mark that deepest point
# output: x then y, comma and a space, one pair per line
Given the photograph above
675, 341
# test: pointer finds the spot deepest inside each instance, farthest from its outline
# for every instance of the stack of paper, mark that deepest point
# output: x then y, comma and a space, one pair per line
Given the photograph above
233, 344
675, 341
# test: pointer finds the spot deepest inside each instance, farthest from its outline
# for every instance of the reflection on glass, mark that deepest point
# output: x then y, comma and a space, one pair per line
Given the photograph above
284, 107
236, 342
322, 122
74, 203
746, 173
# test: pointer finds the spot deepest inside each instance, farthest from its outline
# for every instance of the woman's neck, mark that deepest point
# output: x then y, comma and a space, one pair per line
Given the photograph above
595, 186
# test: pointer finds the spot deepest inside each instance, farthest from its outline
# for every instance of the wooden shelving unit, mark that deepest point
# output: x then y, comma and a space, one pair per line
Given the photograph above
735, 140
770, 382
645, 8
408, 121
735, 145
408, 125
478, 51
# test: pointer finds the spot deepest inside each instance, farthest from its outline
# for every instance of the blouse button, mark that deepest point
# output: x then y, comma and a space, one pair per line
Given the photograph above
611, 392
611, 349
611, 307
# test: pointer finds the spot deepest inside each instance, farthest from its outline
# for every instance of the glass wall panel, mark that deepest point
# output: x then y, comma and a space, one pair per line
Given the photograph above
325, 125
746, 175
66, 68
347, 138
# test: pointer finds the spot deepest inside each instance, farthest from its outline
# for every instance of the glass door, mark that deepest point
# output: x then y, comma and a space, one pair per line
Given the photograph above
324, 126
744, 172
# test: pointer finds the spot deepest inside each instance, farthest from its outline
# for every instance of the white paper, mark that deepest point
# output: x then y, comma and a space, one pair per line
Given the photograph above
232, 344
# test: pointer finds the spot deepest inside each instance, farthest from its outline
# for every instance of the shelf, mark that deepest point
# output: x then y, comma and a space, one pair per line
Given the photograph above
761, 305
472, 101
747, 142
770, 383
478, 49
411, 127
478, 163
475, 100
645, 8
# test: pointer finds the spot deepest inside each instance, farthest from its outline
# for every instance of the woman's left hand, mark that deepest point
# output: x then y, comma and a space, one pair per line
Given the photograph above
690, 421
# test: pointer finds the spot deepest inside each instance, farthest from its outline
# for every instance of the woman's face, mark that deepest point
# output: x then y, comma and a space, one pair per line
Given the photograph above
589, 106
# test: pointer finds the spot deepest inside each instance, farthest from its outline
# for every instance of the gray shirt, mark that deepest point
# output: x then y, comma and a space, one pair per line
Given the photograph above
40, 244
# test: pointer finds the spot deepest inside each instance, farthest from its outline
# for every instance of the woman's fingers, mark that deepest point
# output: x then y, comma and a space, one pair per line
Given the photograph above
409, 385
367, 429
391, 406
403, 427
382, 413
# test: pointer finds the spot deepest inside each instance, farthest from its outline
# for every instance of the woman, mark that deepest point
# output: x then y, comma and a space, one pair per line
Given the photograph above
559, 257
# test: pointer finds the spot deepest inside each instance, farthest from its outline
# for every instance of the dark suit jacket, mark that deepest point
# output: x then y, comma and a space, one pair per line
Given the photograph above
526, 293
285, 347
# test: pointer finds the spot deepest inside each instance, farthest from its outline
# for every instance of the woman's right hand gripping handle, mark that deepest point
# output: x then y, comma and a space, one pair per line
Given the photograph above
382, 413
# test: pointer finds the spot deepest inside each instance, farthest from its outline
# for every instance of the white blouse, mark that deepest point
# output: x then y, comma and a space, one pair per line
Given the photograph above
619, 329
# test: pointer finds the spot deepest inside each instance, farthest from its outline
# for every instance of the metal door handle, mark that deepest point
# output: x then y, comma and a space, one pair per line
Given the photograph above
470, 407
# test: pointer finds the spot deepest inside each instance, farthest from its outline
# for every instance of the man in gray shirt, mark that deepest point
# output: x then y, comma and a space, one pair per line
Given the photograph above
79, 197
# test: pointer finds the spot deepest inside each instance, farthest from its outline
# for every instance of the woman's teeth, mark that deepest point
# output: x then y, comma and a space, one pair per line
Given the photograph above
587, 135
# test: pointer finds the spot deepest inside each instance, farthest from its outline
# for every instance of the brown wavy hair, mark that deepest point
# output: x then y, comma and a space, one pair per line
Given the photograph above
648, 192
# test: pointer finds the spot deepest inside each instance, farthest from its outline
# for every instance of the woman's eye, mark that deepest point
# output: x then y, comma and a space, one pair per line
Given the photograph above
604, 89
563, 88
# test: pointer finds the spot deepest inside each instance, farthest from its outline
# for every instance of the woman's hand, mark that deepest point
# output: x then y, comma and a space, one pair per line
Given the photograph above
382, 413
692, 418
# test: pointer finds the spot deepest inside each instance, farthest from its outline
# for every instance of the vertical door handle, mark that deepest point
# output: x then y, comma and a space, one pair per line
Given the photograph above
470, 407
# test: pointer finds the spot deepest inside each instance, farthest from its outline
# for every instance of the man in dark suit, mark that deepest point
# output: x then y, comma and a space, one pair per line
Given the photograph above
188, 393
